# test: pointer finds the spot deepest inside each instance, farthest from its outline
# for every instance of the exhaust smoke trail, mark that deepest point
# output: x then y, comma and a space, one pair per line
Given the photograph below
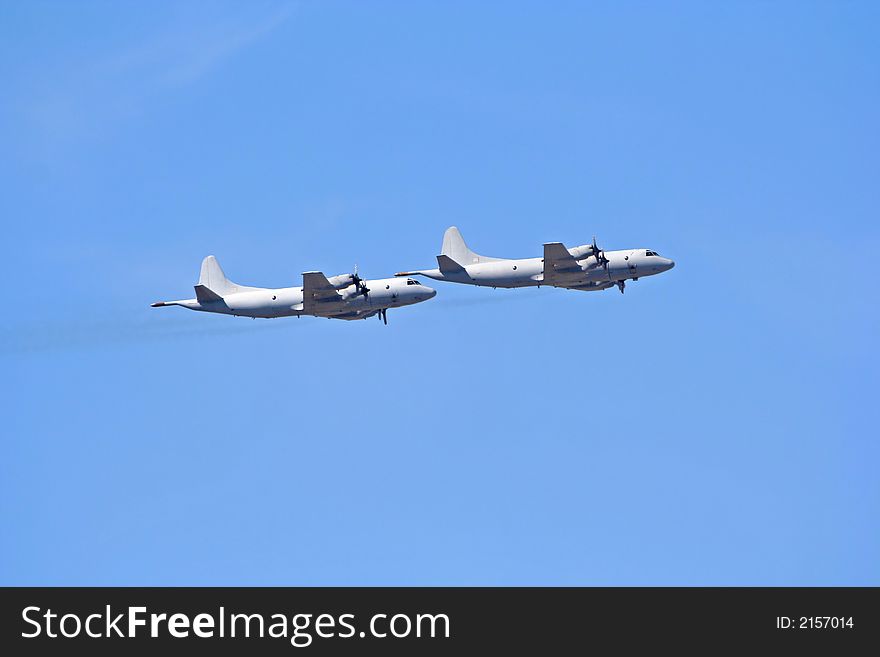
72, 335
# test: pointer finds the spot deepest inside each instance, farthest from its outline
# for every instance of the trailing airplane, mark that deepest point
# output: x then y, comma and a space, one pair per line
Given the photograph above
585, 267
346, 296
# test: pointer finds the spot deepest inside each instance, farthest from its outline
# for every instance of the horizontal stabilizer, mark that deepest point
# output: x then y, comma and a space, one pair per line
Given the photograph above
449, 266
206, 295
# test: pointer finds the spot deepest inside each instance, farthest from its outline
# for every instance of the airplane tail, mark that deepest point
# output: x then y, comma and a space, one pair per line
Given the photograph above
213, 278
455, 248
211, 288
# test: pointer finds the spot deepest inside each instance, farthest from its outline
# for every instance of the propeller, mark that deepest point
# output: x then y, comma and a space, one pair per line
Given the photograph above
600, 255
359, 283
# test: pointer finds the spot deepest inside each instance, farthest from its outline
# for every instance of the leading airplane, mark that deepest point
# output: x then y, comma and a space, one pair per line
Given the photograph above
585, 267
346, 296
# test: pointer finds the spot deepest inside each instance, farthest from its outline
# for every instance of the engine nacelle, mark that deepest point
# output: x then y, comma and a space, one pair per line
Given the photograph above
597, 285
582, 251
341, 281
349, 292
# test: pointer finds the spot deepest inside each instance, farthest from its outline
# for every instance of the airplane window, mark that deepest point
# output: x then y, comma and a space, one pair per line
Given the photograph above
650, 253
410, 281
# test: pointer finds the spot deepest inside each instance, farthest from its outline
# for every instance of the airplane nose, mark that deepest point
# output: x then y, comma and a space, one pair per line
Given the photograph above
669, 264
432, 293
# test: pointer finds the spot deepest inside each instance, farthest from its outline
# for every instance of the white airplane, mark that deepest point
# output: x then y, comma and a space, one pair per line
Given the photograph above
585, 267
346, 296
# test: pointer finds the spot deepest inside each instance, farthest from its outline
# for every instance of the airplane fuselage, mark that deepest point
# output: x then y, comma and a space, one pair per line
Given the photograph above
269, 303
529, 272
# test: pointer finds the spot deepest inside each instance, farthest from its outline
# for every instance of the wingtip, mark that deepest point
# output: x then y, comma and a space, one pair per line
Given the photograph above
158, 304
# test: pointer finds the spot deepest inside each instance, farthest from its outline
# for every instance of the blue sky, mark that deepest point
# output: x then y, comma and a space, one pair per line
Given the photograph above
714, 425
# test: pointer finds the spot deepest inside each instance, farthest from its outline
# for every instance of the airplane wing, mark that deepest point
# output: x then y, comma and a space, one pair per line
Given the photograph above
558, 263
318, 290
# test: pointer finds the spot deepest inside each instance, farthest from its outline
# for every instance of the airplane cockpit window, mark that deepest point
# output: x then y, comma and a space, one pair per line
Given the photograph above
410, 281
651, 253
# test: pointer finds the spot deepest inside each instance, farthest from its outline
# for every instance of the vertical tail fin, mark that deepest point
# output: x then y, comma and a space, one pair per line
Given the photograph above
455, 248
213, 278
